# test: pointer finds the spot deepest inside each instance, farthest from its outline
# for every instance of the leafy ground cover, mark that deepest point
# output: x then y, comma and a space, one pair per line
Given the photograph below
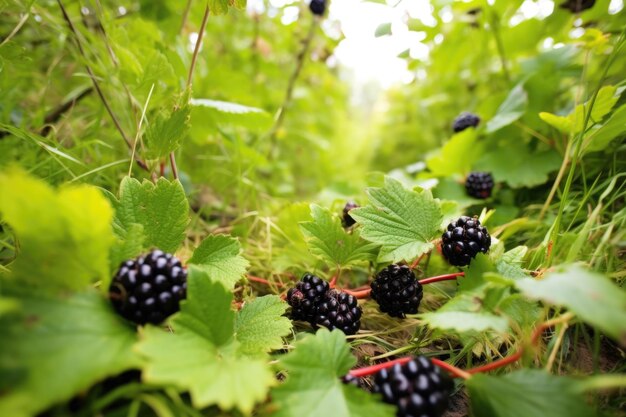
334, 258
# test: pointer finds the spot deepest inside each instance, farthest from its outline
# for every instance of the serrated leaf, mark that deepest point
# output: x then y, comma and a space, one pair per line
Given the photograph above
401, 221
456, 156
543, 395
463, 321
516, 165
60, 347
164, 134
207, 361
129, 245
261, 325
329, 241
206, 311
592, 296
314, 388
220, 256
513, 107
509, 265
162, 209
64, 234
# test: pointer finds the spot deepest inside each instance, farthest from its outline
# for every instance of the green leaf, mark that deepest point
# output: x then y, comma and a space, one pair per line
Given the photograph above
562, 123
314, 388
226, 113
206, 311
513, 107
191, 362
516, 165
221, 6
220, 256
465, 321
207, 361
614, 127
592, 296
163, 136
509, 265
130, 245
64, 235
161, 209
261, 325
383, 29
329, 241
543, 395
456, 156
403, 222
61, 347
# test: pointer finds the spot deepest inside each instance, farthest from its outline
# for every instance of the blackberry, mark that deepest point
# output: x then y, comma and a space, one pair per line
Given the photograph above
463, 240
465, 120
149, 289
397, 291
479, 184
577, 6
417, 388
317, 7
339, 310
347, 220
306, 296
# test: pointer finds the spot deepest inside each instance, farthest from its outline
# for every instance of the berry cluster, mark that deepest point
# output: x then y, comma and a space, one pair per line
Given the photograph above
312, 300
397, 291
149, 289
479, 184
417, 388
465, 120
463, 240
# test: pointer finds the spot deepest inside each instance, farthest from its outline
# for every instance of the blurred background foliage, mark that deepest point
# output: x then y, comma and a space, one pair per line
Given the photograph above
507, 61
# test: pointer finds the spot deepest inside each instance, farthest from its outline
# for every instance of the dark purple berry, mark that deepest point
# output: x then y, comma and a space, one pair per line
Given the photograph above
347, 220
397, 291
463, 240
465, 120
479, 184
150, 288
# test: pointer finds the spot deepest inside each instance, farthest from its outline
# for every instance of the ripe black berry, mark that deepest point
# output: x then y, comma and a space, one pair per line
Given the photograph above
479, 184
306, 296
318, 7
577, 6
465, 120
397, 291
347, 220
149, 289
417, 388
463, 240
339, 310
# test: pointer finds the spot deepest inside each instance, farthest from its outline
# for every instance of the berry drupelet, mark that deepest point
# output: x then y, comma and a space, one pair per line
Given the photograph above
463, 240
306, 296
465, 120
479, 184
417, 388
347, 220
317, 7
397, 291
149, 289
339, 310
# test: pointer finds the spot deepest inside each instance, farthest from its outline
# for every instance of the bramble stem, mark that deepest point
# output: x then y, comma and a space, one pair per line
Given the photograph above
359, 294
264, 281
447, 277
369, 370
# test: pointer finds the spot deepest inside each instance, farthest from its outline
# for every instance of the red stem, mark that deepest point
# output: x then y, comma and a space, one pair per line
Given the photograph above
369, 370
416, 262
264, 281
359, 294
497, 364
333, 282
447, 277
